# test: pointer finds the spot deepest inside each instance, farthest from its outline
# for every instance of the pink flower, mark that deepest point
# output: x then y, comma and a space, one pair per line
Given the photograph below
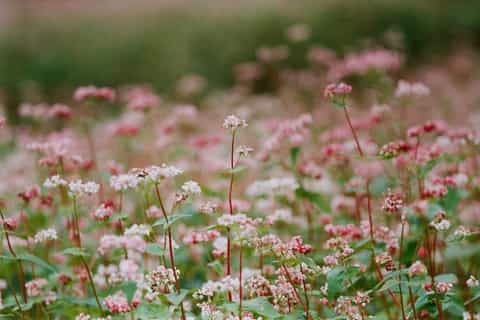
337, 89
92, 92
117, 303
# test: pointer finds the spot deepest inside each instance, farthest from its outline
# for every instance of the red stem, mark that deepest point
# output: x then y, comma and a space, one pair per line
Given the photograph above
21, 273
170, 248
347, 116
230, 207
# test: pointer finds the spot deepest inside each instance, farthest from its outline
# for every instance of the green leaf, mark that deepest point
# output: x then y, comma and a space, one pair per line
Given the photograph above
451, 201
262, 307
171, 220
294, 152
153, 311
380, 185
36, 260
216, 266
424, 170
177, 298
129, 289
238, 169
316, 198
154, 249
446, 277
474, 298
77, 252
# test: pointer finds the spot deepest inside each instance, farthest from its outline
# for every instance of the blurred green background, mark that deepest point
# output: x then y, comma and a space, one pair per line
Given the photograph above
55, 46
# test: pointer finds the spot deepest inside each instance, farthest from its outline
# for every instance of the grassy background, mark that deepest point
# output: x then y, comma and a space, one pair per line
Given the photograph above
59, 51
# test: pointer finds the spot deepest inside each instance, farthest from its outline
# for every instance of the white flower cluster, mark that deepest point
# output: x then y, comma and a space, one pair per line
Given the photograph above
232, 219
123, 182
441, 225
54, 182
244, 151
138, 230
158, 173
78, 187
210, 288
191, 187
45, 235
272, 186
472, 282
160, 280
405, 88
233, 122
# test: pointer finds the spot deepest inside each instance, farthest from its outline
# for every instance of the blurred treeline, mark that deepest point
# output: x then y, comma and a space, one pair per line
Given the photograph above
58, 51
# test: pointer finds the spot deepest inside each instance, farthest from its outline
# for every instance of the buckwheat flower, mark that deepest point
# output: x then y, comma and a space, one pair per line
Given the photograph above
123, 182
233, 123
77, 187
440, 223
272, 186
468, 316
405, 88
154, 212
337, 89
244, 151
220, 247
103, 212
462, 232
472, 282
50, 297
45, 235
54, 182
393, 202
208, 208
159, 173
191, 187
92, 92
34, 287
159, 281
298, 32
117, 303
138, 230
417, 269
232, 219
444, 287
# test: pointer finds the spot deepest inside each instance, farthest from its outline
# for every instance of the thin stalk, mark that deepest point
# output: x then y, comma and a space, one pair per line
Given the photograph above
170, 247
21, 273
431, 254
347, 116
289, 278
307, 303
92, 284
240, 281
400, 268
230, 209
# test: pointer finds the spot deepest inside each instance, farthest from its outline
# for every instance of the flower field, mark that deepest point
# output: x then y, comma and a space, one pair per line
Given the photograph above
348, 189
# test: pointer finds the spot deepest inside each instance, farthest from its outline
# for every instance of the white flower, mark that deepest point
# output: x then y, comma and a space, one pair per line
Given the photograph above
472, 282
54, 181
441, 225
244, 151
191, 187
271, 186
233, 122
77, 187
45, 235
405, 88
123, 182
231, 219
158, 173
138, 230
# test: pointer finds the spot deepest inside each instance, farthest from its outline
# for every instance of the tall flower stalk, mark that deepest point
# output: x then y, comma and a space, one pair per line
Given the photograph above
170, 247
232, 123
